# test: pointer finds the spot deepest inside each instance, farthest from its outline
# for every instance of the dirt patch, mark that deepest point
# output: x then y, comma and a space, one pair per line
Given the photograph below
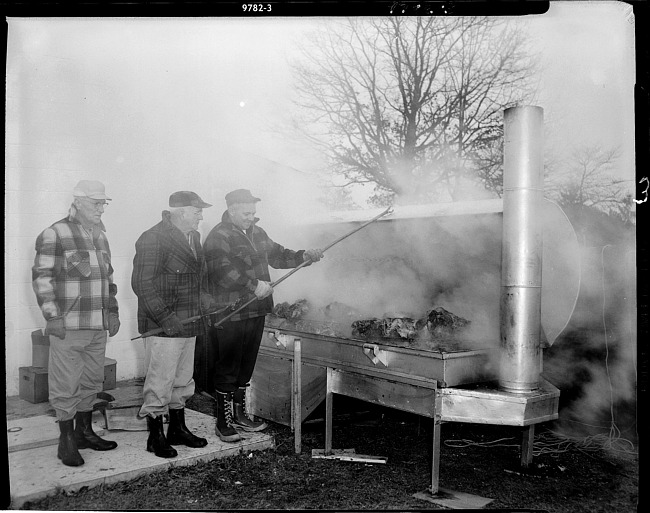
476, 459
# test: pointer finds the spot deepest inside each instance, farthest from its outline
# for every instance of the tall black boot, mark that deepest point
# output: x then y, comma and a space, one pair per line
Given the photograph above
84, 435
177, 432
157, 443
223, 427
240, 418
68, 452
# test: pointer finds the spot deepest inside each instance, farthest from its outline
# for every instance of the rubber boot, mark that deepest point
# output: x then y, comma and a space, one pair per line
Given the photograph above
178, 434
68, 452
84, 435
223, 427
157, 443
240, 418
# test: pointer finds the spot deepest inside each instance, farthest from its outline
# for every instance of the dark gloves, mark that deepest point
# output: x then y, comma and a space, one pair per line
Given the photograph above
172, 326
56, 326
113, 324
208, 303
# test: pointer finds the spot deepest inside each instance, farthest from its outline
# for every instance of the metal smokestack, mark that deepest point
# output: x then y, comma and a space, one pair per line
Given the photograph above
521, 257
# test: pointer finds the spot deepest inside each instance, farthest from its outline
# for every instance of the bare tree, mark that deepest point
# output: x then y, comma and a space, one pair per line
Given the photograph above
413, 105
587, 181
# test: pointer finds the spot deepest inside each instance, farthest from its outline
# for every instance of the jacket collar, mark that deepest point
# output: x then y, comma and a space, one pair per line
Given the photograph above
73, 217
225, 218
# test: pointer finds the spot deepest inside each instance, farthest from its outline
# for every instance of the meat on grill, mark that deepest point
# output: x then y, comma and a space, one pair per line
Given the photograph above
388, 327
291, 311
336, 319
441, 322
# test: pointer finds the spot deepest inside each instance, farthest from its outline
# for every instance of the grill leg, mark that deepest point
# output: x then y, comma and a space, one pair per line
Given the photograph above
527, 445
329, 396
435, 464
297, 395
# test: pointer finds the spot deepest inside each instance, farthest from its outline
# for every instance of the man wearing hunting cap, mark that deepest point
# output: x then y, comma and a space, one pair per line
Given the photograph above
72, 278
238, 254
169, 279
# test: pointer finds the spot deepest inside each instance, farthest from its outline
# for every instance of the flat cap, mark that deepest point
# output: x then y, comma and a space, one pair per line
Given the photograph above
240, 196
187, 199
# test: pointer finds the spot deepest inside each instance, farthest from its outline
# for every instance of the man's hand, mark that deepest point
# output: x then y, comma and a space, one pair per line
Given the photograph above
113, 324
312, 254
208, 303
56, 326
172, 326
263, 289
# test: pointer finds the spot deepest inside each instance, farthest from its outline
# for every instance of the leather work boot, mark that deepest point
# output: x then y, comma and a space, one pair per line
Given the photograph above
223, 427
84, 435
68, 452
240, 417
177, 432
157, 443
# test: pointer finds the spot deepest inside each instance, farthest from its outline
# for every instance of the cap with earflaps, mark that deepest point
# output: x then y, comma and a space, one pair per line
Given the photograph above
240, 196
187, 199
90, 189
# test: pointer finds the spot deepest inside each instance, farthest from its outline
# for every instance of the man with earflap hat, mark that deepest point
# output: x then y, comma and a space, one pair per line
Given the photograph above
238, 254
72, 278
169, 278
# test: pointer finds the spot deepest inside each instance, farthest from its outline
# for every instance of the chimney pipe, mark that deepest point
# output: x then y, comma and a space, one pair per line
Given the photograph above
521, 255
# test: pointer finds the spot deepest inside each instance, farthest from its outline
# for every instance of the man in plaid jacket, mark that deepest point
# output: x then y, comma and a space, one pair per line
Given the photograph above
72, 278
169, 279
238, 254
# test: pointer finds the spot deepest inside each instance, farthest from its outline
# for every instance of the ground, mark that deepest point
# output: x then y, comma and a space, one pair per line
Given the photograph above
565, 476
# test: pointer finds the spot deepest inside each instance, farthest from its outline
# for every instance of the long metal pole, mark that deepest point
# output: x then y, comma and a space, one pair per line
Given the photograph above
237, 306
521, 257
307, 262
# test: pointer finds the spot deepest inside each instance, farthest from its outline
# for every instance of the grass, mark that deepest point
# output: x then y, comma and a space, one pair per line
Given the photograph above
476, 459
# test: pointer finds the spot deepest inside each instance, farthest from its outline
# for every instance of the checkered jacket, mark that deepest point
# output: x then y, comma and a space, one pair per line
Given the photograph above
236, 261
72, 275
167, 277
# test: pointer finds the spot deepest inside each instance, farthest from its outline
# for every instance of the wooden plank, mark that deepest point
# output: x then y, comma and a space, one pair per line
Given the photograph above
347, 455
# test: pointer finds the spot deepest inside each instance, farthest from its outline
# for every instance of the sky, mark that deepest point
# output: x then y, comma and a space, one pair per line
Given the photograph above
229, 79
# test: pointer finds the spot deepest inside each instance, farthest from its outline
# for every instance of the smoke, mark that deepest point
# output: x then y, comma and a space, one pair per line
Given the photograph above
594, 361
406, 267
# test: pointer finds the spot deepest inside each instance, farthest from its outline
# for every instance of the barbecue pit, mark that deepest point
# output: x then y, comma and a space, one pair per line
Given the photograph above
491, 375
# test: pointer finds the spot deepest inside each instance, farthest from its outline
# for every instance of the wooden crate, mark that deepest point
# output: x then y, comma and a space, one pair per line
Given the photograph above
270, 394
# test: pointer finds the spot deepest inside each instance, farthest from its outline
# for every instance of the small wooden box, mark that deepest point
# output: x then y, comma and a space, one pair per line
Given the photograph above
110, 371
33, 385
40, 349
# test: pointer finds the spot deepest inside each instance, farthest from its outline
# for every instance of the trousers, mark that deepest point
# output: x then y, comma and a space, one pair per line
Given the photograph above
169, 367
76, 371
236, 347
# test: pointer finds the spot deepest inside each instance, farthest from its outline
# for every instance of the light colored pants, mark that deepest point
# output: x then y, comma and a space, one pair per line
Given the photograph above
169, 382
76, 371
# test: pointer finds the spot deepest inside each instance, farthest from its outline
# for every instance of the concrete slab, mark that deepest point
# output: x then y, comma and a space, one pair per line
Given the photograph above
36, 472
39, 431
454, 500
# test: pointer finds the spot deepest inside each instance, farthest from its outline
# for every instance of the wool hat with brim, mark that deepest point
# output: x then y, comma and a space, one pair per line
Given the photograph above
90, 189
187, 199
240, 196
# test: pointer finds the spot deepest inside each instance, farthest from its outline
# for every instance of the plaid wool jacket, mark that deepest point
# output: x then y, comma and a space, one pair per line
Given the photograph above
167, 277
72, 275
236, 261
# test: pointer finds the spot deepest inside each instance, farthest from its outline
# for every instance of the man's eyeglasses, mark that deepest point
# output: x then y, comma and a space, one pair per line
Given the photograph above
96, 204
